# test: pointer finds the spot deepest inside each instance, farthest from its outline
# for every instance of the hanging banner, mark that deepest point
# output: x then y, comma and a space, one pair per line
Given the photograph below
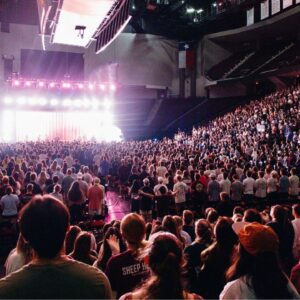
250, 16
264, 10
287, 3
276, 6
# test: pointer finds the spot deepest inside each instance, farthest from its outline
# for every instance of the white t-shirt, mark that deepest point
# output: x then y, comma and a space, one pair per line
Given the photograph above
181, 189
261, 188
161, 171
14, 262
238, 289
225, 185
248, 185
9, 205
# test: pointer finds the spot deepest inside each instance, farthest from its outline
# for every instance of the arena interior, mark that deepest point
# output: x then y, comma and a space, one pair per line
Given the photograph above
149, 149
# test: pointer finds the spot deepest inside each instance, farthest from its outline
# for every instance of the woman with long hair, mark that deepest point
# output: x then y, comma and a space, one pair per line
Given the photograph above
111, 245
75, 200
192, 253
165, 259
256, 272
216, 260
83, 248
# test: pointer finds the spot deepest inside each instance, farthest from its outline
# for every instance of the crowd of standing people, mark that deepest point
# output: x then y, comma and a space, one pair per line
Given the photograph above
193, 198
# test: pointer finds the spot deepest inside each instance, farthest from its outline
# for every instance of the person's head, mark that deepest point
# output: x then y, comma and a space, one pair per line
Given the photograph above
212, 216
252, 215
133, 229
82, 246
9, 190
44, 222
293, 171
203, 231
279, 214
71, 237
29, 188
225, 236
296, 211
160, 180
57, 188
188, 217
178, 222
32, 176
165, 259
169, 224
162, 190
249, 173
97, 181
257, 260
261, 174
69, 172
146, 182
238, 210
55, 179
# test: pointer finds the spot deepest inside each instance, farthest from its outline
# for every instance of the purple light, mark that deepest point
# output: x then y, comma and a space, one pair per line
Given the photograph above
16, 82
52, 84
41, 84
27, 83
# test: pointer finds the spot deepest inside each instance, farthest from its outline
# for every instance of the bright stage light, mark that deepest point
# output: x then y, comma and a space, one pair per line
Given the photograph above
33, 101
21, 101
107, 103
42, 102
95, 103
66, 85
27, 83
52, 84
24, 125
86, 103
80, 85
16, 82
41, 84
91, 86
78, 103
67, 103
102, 87
112, 87
8, 100
54, 102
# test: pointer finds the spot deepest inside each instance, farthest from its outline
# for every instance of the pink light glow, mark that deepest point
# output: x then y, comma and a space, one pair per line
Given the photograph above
66, 85
27, 83
16, 82
41, 84
80, 85
112, 87
91, 86
52, 84
102, 87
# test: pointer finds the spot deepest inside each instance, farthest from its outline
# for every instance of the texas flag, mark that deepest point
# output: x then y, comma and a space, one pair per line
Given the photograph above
186, 56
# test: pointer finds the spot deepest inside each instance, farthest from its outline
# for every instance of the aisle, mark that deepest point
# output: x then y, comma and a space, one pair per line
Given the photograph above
117, 207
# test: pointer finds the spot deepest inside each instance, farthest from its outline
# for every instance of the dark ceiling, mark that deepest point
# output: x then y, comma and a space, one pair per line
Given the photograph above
176, 19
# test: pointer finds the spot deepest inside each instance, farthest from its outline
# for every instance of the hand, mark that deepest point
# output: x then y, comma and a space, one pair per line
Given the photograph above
114, 245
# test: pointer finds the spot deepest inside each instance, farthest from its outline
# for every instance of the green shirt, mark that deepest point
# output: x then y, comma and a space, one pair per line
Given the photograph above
66, 280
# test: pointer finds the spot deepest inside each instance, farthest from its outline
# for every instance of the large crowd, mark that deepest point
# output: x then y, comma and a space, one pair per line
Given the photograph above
214, 213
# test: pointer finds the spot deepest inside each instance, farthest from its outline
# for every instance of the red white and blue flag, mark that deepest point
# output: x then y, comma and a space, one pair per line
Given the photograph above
186, 56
